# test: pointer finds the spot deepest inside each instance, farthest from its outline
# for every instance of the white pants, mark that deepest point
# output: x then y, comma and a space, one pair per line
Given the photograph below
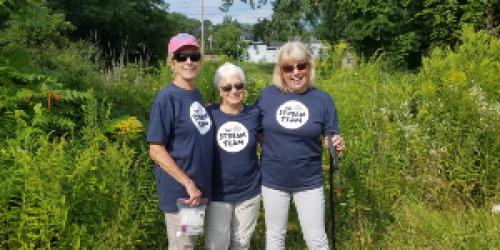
230, 225
181, 242
310, 206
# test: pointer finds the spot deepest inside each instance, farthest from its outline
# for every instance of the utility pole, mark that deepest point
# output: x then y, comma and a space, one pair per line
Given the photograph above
202, 30
210, 42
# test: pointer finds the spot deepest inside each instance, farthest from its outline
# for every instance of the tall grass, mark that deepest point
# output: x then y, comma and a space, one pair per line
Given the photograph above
418, 226
420, 171
429, 139
64, 193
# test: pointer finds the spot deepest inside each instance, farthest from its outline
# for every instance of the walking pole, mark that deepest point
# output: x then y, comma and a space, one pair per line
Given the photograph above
333, 168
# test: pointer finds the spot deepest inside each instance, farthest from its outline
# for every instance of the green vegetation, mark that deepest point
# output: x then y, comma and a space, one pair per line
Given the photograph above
125, 30
227, 37
422, 158
421, 169
404, 30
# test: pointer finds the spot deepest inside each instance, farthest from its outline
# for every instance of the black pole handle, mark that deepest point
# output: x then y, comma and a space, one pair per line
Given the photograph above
334, 159
332, 153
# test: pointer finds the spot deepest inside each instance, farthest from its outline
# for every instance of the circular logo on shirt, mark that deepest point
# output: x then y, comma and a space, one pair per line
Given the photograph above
200, 117
232, 137
292, 114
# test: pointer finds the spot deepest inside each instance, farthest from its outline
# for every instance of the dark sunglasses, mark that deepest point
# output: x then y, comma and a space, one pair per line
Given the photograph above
289, 68
237, 86
182, 57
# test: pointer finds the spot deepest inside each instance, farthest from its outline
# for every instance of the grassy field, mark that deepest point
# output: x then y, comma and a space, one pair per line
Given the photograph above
420, 169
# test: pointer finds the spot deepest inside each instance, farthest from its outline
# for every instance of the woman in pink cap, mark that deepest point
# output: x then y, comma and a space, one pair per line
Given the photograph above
180, 137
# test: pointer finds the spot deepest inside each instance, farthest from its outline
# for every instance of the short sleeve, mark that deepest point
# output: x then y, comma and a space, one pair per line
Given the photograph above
256, 117
331, 123
257, 101
161, 119
259, 109
259, 120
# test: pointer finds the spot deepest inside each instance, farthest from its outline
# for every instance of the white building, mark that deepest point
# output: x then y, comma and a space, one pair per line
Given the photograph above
261, 52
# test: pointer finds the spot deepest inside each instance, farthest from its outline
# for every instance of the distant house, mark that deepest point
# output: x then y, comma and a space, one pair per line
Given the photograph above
261, 52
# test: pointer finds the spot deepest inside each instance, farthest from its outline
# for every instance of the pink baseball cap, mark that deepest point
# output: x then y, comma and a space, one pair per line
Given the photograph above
181, 40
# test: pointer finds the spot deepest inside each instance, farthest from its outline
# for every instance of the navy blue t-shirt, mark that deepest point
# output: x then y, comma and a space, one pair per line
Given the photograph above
236, 175
293, 125
179, 121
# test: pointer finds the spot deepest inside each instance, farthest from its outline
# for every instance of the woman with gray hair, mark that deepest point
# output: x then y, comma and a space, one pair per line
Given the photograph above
232, 214
295, 116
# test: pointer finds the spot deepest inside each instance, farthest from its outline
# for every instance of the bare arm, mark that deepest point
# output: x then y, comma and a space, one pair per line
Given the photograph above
163, 158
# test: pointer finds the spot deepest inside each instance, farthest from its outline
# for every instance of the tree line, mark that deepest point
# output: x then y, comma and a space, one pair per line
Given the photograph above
137, 30
402, 30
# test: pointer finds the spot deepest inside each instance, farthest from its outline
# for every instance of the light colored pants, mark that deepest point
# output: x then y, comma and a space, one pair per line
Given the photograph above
310, 206
181, 242
230, 225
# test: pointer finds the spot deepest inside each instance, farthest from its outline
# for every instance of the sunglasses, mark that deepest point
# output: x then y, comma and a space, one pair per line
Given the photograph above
182, 57
287, 68
237, 86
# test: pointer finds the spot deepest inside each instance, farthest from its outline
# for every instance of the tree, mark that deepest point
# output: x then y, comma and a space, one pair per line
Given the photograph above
290, 17
6, 9
125, 29
226, 4
227, 39
402, 30
261, 30
32, 24
289, 20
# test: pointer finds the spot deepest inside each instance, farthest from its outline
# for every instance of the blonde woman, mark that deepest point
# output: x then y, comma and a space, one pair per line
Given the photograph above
295, 116
180, 137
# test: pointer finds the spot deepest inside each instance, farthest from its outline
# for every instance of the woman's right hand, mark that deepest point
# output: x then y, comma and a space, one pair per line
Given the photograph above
193, 192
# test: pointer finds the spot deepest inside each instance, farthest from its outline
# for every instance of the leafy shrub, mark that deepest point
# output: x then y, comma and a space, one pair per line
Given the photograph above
62, 193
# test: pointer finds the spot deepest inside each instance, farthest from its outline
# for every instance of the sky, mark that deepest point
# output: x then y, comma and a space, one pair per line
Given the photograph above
240, 11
